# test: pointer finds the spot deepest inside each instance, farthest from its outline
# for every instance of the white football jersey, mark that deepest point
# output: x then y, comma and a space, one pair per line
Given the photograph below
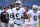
27, 13
26, 20
18, 13
10, 16
1, 11
10, 13
35, 17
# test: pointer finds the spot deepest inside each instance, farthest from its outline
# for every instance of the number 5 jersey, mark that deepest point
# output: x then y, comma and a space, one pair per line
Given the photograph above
19, 13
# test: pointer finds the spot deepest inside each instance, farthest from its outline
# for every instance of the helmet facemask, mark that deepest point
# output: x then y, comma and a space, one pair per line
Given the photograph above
35, 7
17, 5
35, 10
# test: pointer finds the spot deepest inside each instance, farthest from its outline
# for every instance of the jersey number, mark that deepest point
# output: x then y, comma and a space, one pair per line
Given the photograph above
35, 18
11, 15
17, 14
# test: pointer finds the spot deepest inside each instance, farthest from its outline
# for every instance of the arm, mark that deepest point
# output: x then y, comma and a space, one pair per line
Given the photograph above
7, 16
29, 18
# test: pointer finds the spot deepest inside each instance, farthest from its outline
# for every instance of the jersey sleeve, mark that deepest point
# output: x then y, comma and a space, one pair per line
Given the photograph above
0, 13
30, 12
38, 13
23, 9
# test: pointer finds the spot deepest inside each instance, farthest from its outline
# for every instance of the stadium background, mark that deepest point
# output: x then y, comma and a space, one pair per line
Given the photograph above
24, 3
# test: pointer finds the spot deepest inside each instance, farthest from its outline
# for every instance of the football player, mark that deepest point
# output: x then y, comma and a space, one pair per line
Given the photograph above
10, 17
34, 16
18, 14
26, 19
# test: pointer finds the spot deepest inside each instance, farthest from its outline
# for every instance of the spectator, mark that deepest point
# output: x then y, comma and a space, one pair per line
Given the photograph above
4, 18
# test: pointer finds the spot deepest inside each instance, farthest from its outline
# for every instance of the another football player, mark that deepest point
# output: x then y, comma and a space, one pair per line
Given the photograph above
10, 17
34, 16
26, 19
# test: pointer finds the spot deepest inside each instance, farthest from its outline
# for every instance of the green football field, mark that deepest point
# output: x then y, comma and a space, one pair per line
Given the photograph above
39, 23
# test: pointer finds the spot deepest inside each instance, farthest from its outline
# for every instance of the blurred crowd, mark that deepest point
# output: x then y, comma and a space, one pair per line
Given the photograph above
24, 3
